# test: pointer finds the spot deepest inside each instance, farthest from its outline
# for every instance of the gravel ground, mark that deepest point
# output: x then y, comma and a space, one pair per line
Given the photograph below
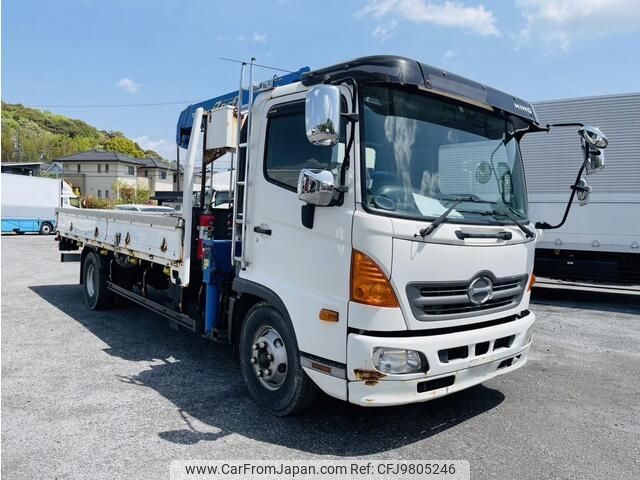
119, 394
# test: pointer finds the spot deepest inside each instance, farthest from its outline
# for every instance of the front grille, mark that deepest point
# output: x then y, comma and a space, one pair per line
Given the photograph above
443, 300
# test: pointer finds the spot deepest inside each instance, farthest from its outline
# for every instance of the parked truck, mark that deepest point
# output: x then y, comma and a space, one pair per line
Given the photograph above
598, 247
378, 247
29, 203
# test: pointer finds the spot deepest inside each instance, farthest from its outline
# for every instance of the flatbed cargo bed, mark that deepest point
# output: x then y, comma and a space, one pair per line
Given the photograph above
156, 237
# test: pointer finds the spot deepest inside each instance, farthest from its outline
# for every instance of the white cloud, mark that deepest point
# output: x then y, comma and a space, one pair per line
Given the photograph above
128, 85
256, 37
475, 19
560, 22
162, 146
450, 55
385, 32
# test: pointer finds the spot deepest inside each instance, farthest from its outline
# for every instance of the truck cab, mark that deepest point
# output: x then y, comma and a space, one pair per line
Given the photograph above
382, 314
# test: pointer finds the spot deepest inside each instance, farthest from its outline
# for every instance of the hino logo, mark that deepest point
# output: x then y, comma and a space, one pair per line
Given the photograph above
524, 108
480, 290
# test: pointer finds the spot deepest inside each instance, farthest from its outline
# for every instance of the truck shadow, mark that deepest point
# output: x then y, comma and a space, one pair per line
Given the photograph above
203, 380
585, 300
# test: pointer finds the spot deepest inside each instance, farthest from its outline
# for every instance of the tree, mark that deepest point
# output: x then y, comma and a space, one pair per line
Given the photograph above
127, 193
29, 135
124, 145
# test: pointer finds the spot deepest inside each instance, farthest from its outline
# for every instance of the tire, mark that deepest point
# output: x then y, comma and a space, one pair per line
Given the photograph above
281, 393
46, 228
96, 294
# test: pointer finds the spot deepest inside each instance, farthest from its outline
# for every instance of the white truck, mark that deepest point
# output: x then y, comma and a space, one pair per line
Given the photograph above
598, 247
29, 203
378, 247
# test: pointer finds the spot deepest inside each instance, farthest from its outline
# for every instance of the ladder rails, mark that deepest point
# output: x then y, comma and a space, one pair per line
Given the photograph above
241, 169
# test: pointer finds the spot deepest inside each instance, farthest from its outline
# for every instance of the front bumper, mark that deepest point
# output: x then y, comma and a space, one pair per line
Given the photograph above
507, 350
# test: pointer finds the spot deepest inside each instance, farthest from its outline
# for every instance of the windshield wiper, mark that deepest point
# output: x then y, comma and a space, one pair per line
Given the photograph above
506, 212
439, 220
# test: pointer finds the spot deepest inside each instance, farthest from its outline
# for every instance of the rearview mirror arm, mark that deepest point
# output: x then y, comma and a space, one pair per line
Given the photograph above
352, 119
574, 189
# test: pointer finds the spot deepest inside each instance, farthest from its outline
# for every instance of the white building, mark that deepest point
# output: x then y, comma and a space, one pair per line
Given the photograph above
95, 172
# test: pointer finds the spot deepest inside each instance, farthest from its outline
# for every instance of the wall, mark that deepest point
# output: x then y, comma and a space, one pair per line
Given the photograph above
155, 181
90, 181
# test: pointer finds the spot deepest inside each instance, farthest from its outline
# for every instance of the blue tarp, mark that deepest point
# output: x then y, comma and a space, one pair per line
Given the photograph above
185, 121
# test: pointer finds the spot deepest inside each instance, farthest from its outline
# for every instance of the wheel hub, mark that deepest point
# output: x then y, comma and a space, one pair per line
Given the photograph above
90, 280
269, 358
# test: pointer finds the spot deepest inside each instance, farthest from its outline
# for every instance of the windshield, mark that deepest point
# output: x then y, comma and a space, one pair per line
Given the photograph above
423, 153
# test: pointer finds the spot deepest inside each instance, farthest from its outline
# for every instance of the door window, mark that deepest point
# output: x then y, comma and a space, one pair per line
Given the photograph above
288, 151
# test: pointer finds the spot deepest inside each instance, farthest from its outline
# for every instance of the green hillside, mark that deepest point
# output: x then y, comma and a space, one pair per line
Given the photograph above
32, 135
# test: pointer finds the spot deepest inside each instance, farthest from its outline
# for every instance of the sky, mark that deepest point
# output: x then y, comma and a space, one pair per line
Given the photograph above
76, 56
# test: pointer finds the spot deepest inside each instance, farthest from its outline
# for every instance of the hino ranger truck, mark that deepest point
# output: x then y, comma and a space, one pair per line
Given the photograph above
377, 245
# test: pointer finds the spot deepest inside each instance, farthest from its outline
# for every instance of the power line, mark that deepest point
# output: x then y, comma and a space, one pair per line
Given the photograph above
244, 62
157, 104
115, 105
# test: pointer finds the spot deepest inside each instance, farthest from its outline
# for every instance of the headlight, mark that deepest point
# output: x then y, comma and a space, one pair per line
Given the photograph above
397, 360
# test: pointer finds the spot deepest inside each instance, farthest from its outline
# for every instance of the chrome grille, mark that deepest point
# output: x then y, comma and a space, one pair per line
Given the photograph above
443, 300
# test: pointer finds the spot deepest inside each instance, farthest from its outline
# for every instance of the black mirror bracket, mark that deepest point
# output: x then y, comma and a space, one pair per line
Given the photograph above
574, 188
307, 215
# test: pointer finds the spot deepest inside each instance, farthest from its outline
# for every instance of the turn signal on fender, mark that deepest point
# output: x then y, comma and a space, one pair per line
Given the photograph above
369, 285
532, 282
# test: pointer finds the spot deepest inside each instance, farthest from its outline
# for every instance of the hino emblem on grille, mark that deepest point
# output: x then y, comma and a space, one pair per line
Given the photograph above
480, 290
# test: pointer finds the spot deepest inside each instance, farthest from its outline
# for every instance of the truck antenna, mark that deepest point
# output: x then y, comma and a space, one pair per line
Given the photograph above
256, 64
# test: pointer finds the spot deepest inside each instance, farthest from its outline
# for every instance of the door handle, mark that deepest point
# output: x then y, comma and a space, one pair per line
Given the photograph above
262, 230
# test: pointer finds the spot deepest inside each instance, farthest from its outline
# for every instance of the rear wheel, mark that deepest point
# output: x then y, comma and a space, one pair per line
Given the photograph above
270, 363
96, 294
46, 228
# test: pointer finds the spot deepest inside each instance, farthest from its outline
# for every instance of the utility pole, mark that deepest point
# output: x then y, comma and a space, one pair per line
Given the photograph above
177, 168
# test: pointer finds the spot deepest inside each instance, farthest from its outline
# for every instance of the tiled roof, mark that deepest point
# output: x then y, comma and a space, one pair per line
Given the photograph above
153, 163
101, 156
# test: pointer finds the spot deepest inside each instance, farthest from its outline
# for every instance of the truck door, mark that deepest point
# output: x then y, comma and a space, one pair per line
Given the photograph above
307, 268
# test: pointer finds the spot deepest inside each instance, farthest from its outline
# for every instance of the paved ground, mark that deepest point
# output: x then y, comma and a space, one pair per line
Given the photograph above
119, 394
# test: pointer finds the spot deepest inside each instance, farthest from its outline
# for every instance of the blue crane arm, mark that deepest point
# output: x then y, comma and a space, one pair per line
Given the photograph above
185, 120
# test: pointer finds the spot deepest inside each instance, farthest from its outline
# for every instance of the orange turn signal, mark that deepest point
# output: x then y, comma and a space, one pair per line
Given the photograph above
328, 315
532, 282
369, 285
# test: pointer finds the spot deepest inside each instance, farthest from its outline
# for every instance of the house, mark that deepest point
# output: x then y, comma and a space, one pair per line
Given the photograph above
160, 176
94, 172
55, 168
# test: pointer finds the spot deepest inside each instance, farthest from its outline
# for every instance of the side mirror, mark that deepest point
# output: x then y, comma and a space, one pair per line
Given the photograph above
594, 137
583, 190
593, 142
595, 160
316, 187
322, 115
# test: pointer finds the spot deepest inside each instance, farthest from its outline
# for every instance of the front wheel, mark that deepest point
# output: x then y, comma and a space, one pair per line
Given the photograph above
270, 363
